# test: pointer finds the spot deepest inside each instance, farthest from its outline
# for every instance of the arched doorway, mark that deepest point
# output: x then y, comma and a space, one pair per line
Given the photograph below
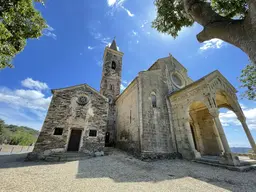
203, 130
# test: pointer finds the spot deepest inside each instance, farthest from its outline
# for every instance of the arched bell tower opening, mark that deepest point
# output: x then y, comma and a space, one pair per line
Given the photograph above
110, 86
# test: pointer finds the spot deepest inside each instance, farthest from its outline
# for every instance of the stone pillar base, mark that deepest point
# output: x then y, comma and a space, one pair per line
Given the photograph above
229, 159
252, 156
197, 154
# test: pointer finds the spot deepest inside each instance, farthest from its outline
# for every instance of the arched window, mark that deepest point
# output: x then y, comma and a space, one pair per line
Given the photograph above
113, 66
153, 100
111, 87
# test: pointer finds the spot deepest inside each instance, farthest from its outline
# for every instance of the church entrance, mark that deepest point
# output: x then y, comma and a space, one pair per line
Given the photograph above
74, 140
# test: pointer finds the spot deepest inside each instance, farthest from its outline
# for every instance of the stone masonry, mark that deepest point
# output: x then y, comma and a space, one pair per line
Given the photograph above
66, 113
161, 114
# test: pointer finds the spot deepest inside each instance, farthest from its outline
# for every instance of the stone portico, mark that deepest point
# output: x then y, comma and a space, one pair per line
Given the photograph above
195, 117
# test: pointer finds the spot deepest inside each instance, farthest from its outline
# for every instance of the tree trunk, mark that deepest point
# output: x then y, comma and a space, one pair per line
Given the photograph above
248, 45
241, 33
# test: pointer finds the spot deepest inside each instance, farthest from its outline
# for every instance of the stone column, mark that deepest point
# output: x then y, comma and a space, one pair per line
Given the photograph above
217, 136
197, 132
215, 114
242, 119
190, 138
227, 157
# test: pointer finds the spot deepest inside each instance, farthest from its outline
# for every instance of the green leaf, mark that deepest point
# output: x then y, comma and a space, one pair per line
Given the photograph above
19, 21
248, 81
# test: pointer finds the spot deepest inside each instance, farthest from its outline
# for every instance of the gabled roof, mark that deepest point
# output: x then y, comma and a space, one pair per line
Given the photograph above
206, 77
76, 86
170, 57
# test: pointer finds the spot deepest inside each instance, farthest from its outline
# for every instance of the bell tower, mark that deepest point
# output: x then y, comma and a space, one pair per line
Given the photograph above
110, 86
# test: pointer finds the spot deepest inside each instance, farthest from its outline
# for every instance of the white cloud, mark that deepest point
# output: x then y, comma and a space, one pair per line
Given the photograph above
128, 12
99, 37
49, 32
32, 84
134, 33
122, 87
25, 107
145, 22
90, 47
212, 44
229, 118
124, 81
111, 2
30, 99
18, 117
117, 5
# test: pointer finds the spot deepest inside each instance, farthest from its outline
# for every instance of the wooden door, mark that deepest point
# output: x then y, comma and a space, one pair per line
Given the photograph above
74, 140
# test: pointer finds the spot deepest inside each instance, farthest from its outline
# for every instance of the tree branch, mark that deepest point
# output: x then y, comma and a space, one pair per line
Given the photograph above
225, 30
202, 12
251, 16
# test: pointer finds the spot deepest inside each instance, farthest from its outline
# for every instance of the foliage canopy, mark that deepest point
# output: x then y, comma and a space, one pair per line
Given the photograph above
19, 21
172, 16
248, 81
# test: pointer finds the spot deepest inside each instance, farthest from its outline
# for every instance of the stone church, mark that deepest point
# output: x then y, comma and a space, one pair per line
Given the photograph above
161, 114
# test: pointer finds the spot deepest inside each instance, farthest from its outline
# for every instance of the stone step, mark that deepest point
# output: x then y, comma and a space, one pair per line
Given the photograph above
208, 160
52, 159
241, 168
69, 154
248, 162
61, 157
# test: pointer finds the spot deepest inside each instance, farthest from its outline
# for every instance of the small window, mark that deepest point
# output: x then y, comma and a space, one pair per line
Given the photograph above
111, 87
93, 133
113, 66
58, 131
153, 99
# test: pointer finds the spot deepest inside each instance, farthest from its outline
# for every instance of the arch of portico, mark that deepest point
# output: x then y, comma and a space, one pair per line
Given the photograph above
195, 118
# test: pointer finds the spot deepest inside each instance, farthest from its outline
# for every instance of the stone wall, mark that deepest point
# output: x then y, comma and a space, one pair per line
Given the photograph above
66, 112
156, 137
127, 122
209, 139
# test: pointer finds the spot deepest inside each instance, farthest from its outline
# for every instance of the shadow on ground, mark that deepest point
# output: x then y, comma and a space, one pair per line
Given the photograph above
123, 168
18, 160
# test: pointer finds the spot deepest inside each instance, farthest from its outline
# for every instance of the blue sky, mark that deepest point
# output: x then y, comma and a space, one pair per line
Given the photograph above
71, 51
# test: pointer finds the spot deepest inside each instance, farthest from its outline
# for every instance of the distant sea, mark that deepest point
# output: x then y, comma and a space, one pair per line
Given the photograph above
240, 149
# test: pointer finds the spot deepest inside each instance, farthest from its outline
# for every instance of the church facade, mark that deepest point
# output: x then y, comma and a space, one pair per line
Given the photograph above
162, 113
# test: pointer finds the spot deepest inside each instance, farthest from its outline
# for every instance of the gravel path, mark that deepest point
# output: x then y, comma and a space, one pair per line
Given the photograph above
119, 172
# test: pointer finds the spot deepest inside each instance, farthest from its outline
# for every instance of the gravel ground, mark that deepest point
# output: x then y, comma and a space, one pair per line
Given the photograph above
119, 172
